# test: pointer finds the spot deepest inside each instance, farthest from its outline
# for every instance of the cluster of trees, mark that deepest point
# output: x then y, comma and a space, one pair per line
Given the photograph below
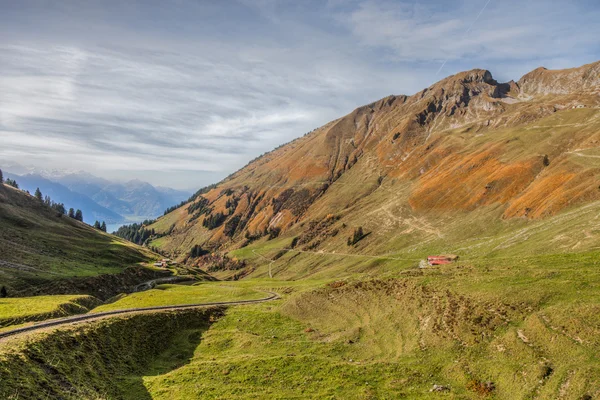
198, 251
193, 197
136, 233
199, 207
231, 204
8, 181
213, 221
98, 225
58, 207
78, 215
232, 225
11, 182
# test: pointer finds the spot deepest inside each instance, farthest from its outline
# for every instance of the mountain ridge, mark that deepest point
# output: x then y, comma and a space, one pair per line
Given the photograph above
463, 144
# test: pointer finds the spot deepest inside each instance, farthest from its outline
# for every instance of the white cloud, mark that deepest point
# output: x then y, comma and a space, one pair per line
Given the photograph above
506, 29
121, 89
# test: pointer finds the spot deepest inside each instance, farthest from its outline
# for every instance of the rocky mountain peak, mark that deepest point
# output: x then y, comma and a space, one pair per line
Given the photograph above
542, 81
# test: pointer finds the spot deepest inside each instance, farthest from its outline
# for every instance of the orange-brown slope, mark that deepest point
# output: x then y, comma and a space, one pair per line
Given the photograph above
464, 142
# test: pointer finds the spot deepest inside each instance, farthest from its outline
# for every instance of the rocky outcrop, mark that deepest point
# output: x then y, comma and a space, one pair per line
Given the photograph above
542, 81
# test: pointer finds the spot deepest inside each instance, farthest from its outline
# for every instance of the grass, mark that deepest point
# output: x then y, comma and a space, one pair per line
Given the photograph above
37, 246
259, 351
164, 295
14, 311
531, 328
529, 325
100, 360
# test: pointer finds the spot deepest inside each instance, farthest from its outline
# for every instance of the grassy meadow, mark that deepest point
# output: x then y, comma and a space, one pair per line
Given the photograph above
18, 310
173, 294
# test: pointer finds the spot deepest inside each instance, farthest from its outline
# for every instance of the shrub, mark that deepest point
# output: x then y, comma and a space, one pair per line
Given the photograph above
198, 251
232, 225
213, 221
357, 236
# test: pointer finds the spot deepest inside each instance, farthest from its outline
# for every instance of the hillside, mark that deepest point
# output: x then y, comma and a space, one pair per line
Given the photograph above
42, 252
92, 211
466, 158
98, 198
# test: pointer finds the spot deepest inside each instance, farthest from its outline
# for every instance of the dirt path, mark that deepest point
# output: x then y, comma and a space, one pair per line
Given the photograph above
151, 284
265, 258
96, 316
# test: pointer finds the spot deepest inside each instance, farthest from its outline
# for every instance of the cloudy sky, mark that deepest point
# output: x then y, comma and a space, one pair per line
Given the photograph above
181, 93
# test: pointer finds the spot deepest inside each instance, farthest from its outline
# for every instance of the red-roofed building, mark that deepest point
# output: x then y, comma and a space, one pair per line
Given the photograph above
444, 259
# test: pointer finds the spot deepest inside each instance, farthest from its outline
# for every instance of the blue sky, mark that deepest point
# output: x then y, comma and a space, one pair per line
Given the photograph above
181, 93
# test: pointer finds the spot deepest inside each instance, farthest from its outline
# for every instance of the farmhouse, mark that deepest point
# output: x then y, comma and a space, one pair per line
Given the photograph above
443, 259
164, 263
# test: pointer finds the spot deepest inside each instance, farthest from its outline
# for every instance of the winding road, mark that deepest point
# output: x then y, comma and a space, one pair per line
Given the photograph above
101, 315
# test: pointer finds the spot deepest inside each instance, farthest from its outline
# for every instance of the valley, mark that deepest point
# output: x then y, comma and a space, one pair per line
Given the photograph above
305, 274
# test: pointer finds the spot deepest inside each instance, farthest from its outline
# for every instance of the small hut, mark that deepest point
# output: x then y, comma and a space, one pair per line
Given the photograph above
442, 259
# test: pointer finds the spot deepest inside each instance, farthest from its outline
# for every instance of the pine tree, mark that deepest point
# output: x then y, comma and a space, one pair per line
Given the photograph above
97, 225
38, 194
78, 215
59, 207
12, 182
103, 226
1, 177
71, 213
3, 292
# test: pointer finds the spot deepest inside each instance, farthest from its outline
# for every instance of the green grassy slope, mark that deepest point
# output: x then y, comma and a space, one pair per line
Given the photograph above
165, 295
104, 360
37, 246
529, 327
497, 329
14, 311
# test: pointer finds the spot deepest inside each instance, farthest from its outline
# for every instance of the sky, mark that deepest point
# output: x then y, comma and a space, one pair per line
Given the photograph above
181, 93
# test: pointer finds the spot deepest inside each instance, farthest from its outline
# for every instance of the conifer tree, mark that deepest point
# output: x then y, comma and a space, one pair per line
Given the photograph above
71, 213
78, 215
3, 292
1, 177
38, 194
59, 207
103, 226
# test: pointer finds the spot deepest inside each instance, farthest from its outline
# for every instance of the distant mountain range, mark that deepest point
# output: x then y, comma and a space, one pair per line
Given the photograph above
98, 198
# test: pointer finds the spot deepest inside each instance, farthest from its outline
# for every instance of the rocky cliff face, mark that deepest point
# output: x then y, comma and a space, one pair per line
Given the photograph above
465, 143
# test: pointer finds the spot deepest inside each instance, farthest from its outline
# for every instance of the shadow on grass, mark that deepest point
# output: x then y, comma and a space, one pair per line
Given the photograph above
179, 353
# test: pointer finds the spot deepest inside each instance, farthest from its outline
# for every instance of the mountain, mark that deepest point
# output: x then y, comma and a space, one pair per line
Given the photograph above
134, 198
98, 198
139, 198
465, 159
44, 252
92, 211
